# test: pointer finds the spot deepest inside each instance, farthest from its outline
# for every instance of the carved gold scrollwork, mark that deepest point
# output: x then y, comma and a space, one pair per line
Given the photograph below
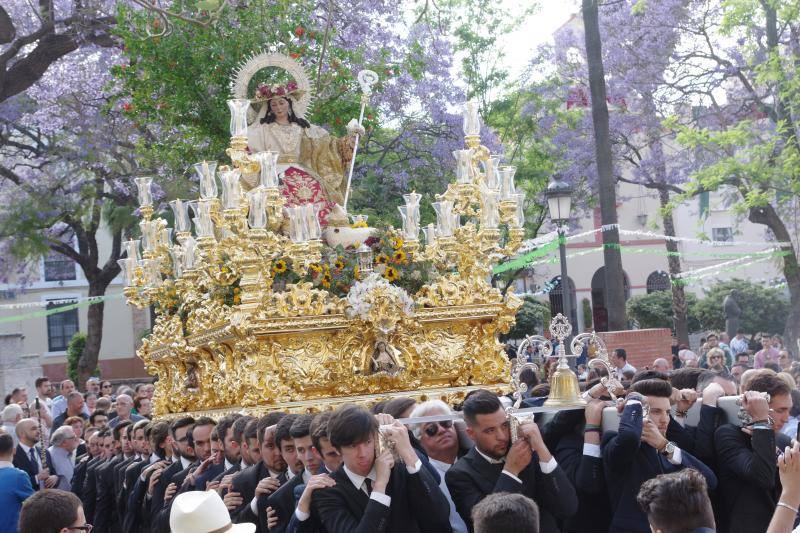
453, 290
300, 299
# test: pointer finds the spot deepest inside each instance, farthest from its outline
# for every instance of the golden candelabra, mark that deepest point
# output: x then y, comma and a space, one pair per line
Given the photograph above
227, 337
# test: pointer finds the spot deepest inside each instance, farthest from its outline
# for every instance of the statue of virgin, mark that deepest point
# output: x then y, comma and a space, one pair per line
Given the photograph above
312, 163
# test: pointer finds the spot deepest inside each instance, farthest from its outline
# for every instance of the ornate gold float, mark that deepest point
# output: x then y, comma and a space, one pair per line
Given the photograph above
233, 333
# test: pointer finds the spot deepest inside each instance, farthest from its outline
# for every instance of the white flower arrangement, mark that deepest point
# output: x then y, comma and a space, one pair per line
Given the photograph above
360, 298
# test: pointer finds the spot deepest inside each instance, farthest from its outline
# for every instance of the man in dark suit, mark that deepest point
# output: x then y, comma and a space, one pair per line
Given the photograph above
106, 520
263, 478
137, 516
126, 475
749, 483
207, 471
28, 455
105, 447
575, 437
494, 465
331, 461
200, 441
299, 449
230, 447
711, 385
640, 451
183, 455
79, 475
371, 493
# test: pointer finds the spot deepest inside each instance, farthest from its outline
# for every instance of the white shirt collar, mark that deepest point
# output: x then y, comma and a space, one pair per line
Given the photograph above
358, 480
490, 460
306, 476
228, 465
274, 474
185, 463
441, 466
154, 458
25, 448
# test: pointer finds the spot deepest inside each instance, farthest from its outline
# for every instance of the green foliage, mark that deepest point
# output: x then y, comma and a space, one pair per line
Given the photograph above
477, 26
588, 318
764, 309
654, 310
75, 349
531, 317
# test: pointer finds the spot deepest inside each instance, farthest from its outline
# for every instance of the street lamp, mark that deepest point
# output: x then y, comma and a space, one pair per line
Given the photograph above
559, 201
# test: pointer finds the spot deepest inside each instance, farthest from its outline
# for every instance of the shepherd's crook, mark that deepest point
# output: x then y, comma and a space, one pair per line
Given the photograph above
366, 79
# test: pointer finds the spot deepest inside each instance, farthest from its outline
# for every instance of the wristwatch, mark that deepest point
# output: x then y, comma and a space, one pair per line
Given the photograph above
668, 450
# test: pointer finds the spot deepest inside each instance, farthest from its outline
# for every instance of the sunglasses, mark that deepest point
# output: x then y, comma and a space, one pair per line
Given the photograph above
433, 429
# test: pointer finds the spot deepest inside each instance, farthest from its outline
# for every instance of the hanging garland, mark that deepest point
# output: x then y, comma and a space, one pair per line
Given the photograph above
83, 302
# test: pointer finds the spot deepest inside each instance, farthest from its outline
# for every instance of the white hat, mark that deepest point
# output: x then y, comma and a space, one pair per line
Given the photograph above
203, 512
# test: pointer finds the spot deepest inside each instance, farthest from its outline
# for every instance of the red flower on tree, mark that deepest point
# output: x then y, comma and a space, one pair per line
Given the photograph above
299, 31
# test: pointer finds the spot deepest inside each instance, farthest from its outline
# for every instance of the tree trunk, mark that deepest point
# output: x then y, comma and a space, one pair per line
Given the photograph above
767, 216
614, 280
679, 310
94, 333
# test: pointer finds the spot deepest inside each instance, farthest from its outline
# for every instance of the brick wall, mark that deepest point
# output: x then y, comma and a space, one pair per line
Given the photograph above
643, 346
16, 368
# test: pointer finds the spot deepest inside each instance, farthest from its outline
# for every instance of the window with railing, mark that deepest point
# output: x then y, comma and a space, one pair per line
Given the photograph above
722, 236
658, 281
61, 326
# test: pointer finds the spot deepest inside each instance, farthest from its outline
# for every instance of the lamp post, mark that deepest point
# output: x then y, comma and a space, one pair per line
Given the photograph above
559, 202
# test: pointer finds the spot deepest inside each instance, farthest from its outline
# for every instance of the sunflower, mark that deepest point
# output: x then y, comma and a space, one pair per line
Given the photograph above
382, 259
399, 256
356, 272
339, 263
397, 243
315, 268
391, 273
280, 266
326, 281
359, 224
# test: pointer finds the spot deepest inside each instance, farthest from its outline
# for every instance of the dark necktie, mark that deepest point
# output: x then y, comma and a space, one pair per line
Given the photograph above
368, 485
34, 463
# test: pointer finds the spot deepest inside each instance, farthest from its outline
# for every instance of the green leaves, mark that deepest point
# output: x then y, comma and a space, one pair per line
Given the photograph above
654, 310
531, 318
764, 309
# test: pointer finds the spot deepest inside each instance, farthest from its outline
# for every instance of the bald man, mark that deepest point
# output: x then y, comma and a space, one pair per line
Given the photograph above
661, 365
28, 456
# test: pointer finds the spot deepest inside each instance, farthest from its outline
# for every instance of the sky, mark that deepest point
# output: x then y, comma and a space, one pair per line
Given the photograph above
520, 44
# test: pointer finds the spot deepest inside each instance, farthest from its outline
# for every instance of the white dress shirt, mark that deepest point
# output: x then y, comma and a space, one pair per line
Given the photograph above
456, 522
36, 454
359, 482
